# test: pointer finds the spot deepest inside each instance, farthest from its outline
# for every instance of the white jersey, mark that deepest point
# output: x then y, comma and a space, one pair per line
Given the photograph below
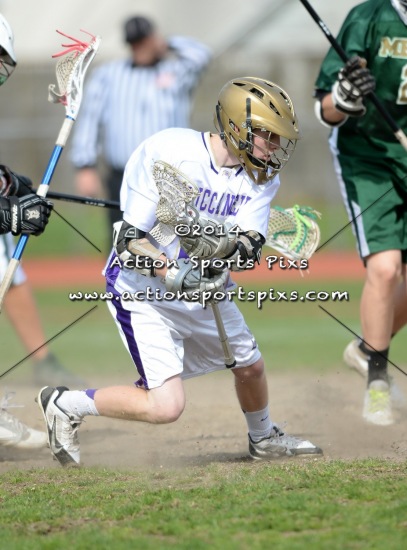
226, 195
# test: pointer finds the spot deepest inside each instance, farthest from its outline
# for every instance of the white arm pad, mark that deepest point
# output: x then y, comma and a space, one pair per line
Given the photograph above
319, 115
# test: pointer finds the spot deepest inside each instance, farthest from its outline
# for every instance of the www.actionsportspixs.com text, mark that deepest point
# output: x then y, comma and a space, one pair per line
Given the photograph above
259, 297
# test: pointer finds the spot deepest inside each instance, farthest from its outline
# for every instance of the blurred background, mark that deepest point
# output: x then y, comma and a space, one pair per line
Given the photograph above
276, 39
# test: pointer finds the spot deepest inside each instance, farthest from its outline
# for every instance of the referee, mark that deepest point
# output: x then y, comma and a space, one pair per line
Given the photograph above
128, 100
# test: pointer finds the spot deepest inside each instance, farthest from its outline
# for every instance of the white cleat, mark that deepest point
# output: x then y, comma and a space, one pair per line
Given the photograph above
62, 428
377, 405
14, 433
279, 444
355, 358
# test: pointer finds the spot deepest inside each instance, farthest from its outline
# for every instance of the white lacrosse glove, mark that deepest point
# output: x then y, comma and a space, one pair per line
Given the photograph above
207, 239
354, 82
189, 280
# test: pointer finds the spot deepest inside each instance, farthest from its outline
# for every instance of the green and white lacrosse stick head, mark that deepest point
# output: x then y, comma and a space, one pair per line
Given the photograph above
294, 232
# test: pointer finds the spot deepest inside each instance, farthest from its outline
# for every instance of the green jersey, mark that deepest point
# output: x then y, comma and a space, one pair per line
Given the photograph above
375, 31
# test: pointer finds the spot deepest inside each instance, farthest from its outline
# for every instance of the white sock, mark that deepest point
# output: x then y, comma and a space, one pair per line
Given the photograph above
259, 424
78, 402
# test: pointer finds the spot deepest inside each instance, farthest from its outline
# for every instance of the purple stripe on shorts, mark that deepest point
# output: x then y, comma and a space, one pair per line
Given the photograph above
124, 318
112, 272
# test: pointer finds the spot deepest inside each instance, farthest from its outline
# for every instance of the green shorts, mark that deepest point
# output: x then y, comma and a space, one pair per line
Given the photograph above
375, 196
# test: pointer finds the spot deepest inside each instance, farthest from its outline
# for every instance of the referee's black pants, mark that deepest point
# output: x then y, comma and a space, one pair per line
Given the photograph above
113, 183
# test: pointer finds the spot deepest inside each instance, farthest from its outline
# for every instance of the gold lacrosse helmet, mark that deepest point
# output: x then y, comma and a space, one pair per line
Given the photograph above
250, 106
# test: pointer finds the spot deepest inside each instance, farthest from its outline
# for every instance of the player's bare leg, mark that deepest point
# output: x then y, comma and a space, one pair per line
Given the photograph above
158, 406
266, 439
23, 314
377, 307
378, 311
64, 410
251, 387
400, 310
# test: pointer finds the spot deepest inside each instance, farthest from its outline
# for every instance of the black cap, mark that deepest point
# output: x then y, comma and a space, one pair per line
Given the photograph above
137, 28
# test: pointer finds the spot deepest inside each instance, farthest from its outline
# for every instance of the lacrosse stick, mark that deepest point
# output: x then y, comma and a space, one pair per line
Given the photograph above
395, 128
70, 73
175, 207
89, 201
294, 232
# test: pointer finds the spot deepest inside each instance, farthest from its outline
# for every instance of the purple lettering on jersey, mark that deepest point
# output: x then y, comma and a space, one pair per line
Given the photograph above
219, 203
205, 194
232, 210
211, 209
223, 205
228, 205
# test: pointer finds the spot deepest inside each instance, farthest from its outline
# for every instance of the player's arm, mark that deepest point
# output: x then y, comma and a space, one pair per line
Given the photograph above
135, 251
21, 211
13, 184
214, 240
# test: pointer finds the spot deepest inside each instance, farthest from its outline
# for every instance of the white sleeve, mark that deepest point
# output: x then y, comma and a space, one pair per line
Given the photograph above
255, 213
139, 195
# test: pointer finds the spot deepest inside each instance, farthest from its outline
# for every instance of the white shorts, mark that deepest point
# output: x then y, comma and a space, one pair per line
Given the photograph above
7, 246
166, 339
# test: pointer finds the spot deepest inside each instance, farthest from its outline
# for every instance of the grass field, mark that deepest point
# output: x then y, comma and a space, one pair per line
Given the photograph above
336, 505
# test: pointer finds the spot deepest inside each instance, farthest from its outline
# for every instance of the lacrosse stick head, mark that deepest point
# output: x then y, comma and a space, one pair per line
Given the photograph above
177, 192
70, 72
294, 232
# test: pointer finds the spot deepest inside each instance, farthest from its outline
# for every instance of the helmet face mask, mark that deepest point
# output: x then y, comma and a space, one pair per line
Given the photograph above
7, 65
8, 59
268, 152
257, 122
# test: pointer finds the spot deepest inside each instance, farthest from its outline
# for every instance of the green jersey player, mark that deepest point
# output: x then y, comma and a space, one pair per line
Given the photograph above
371, 168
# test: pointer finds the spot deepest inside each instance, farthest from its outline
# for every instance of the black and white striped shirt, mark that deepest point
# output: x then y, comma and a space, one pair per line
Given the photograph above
124, 104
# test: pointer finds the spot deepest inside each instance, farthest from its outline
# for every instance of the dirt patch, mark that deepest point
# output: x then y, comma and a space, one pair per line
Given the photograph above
325, 408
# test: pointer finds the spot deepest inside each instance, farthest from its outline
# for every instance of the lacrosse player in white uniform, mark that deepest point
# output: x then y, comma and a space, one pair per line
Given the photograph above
20, 211
237, 173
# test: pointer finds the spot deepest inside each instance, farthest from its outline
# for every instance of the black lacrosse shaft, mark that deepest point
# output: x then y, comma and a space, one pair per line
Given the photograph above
342, 54
83, 200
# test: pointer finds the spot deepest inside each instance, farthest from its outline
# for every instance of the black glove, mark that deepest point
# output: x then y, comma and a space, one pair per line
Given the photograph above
354, 82
28, 215
13, 184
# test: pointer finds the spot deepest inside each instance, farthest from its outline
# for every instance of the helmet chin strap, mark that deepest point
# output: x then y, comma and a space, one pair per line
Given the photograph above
221, 128
248, 126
